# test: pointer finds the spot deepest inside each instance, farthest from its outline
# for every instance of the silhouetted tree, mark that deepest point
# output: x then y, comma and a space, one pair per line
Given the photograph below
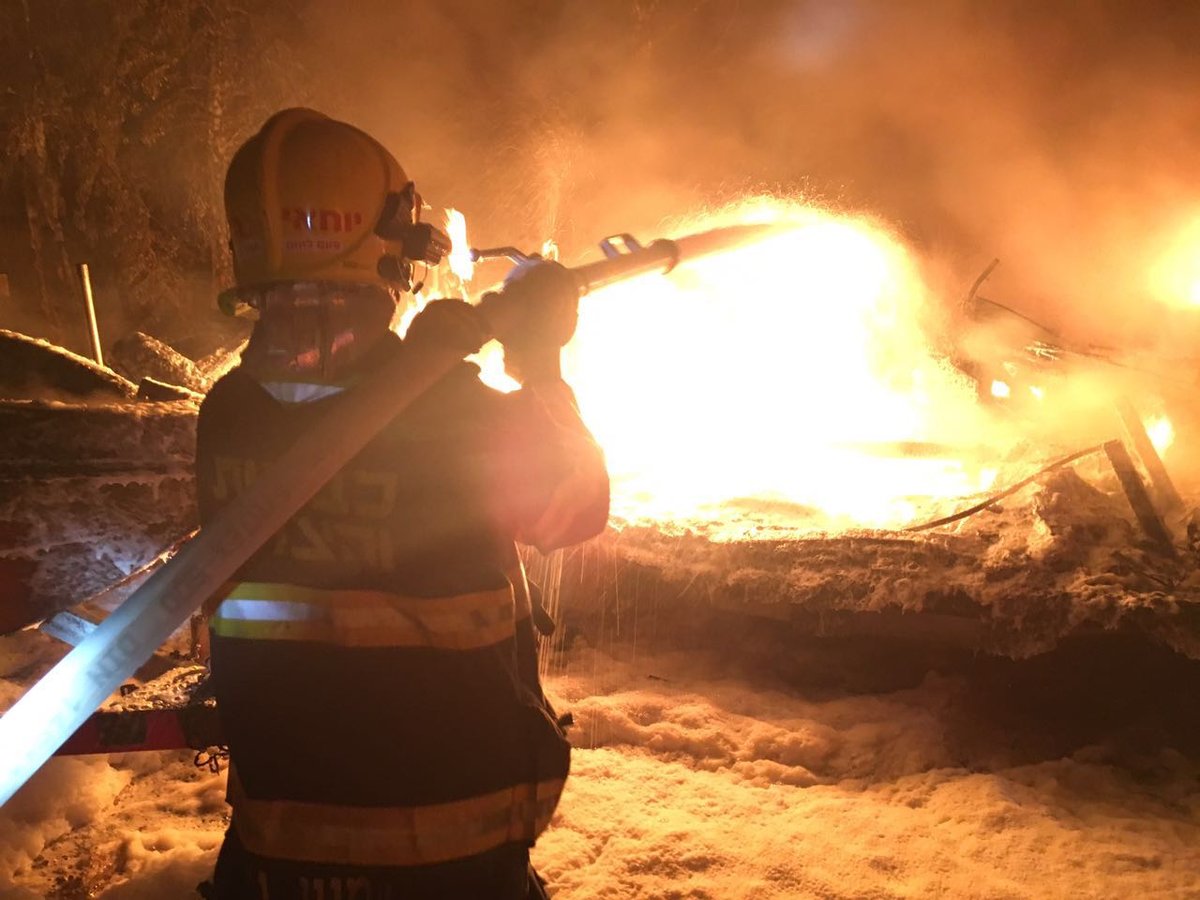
117, 120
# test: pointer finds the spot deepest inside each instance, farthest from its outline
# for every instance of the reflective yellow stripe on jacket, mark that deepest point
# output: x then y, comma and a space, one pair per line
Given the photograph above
347, 618
392, 836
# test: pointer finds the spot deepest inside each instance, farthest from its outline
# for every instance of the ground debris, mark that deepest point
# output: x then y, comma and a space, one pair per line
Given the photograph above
1065, 559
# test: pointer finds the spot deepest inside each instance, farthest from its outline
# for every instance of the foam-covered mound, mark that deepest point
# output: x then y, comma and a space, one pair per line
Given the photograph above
1063, 558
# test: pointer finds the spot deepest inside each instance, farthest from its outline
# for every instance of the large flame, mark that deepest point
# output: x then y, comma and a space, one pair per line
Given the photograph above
796, 369
461, 263
787, 385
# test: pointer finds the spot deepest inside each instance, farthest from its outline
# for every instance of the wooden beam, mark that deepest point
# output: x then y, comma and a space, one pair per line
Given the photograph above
1164, 489
1139, 498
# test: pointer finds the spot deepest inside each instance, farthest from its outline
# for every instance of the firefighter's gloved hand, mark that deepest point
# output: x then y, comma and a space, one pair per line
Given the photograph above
447, 324
544, 303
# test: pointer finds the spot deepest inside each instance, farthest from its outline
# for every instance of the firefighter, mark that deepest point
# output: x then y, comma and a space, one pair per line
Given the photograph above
375, 663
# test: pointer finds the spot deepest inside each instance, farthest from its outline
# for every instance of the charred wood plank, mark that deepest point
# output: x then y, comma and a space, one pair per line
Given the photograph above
1164, 488
1139, 498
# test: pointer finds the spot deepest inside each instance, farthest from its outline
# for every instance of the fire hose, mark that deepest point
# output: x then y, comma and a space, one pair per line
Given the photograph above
58, 703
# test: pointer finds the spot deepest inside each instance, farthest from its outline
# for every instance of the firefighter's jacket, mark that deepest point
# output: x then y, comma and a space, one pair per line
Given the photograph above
374, 663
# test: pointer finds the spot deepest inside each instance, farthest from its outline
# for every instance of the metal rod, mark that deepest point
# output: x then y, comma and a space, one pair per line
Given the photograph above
509, 253
969, 303
89, 308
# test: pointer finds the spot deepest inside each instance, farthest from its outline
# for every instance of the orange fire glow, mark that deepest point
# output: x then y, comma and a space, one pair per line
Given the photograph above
1175, 278
784, 386
787, 371
1160, 431
490, 358
459, 259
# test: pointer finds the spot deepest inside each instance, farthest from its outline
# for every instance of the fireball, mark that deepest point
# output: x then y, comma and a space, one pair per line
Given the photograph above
784, 372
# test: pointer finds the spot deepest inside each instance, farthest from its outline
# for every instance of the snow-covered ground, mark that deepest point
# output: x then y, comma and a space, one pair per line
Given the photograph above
697, 776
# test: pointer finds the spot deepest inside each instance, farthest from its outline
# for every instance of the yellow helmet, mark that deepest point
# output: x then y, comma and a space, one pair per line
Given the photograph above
311, 199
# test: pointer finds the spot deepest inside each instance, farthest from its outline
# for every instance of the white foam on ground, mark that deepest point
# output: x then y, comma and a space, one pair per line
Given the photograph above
687, 784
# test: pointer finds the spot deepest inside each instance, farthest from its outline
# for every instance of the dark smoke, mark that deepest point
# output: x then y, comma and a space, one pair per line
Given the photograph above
1062, 137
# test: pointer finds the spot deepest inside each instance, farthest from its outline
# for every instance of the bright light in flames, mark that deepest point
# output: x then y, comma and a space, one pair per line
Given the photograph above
1001, 390
1175, 278
490, 359
1160, 431
460, 260
788, 370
